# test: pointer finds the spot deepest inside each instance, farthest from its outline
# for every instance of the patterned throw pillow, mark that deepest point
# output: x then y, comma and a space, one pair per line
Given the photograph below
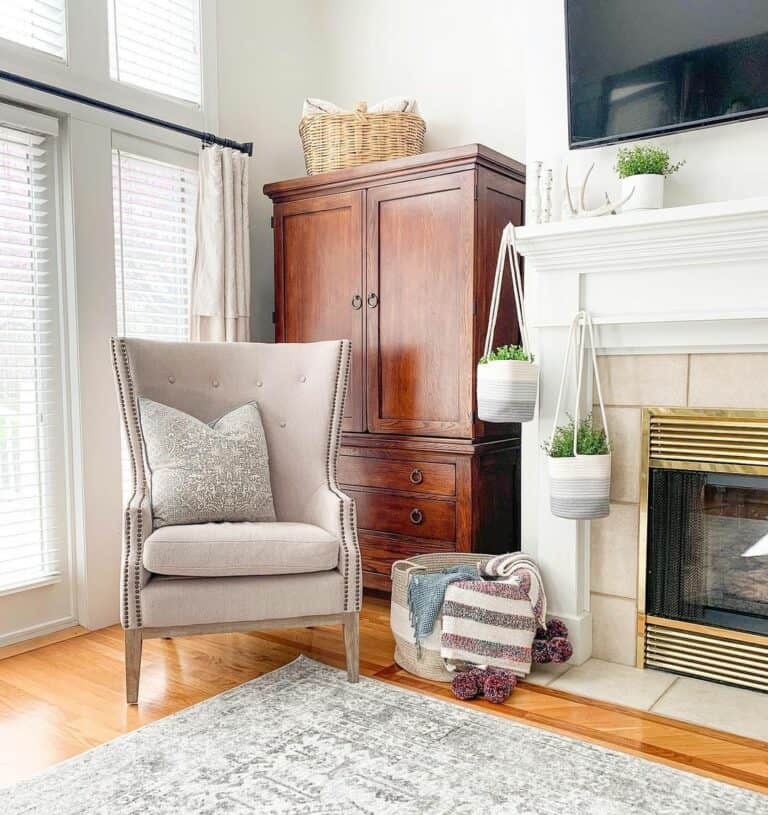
203, 473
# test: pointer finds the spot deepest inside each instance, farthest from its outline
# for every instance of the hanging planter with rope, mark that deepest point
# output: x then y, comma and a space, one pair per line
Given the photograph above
579, 453
507, 378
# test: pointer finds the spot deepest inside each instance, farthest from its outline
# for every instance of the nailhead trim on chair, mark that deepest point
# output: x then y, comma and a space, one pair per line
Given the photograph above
349, 543
127, 396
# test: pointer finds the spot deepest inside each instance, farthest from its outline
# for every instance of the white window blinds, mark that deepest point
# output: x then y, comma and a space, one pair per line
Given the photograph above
32, 510
155, 44
39, 24
154, 210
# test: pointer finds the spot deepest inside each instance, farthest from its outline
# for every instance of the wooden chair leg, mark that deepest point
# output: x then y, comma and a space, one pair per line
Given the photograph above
352, 644
132, 664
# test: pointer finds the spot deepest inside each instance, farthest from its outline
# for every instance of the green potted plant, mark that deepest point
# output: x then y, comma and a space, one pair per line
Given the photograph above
507, 382
643, 168
579, 456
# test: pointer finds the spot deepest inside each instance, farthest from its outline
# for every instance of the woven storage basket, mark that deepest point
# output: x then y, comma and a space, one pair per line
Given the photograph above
430, 664
333, 141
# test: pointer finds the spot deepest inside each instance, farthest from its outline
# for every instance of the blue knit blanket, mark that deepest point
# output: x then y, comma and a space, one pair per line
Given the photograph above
425, 597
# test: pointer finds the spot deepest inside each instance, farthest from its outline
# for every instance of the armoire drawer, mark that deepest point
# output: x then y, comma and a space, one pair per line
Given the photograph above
402, 515
392, 474
379, 550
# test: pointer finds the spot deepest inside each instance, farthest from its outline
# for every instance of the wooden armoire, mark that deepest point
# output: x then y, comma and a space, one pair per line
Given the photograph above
399, 256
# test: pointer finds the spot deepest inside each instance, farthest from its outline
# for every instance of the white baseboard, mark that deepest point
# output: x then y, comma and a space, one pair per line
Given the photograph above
39, 630
579, 633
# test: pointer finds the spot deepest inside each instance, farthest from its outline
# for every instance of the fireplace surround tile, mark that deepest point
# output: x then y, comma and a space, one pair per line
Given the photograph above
729, 381
625, 425
614, 626
644, 379
613, 557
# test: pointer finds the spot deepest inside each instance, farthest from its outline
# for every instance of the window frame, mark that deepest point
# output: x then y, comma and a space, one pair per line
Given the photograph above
22, 119
23, 49
204, 23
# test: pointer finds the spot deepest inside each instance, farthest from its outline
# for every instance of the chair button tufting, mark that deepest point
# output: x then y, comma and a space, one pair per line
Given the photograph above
303, 379
283, 424
171, 379
215, 383
259, 384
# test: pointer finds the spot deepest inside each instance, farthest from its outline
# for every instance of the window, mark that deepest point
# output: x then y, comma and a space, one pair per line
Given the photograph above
154, 210
32, 510
155, 44
39, 24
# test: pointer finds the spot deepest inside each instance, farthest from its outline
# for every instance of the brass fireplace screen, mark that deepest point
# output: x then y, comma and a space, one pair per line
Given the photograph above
703, 553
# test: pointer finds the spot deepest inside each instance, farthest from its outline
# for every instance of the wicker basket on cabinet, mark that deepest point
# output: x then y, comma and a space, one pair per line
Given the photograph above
333, 141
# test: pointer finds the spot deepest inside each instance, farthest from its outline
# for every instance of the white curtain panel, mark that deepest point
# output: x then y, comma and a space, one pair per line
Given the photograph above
221, 281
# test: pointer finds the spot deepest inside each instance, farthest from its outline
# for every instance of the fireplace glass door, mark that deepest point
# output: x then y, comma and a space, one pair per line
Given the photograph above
707, 557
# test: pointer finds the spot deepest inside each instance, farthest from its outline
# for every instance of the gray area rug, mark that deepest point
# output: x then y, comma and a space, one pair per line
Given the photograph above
303, 740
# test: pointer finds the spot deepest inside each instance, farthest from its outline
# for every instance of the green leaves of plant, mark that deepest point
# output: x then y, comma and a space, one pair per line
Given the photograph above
644, 160
591, 440
507, 352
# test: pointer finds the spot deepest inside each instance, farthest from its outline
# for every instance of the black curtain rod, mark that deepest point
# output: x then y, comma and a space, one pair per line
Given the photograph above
206, 138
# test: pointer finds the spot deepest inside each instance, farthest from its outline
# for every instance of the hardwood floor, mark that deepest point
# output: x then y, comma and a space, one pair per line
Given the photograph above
67, 697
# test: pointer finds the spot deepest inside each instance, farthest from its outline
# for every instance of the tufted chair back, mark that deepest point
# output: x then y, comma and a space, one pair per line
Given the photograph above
299, 388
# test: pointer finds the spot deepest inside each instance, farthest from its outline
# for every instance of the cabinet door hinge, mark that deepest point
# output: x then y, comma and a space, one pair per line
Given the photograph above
274, 317
272, 222
477, 194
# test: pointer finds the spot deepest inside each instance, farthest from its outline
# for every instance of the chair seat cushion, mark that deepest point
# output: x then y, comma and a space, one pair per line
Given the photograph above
227, 549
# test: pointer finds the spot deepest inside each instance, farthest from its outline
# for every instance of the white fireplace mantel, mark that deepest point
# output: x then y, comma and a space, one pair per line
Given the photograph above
685, 279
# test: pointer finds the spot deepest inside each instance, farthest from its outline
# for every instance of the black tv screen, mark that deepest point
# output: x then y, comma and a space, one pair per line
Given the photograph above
642, 67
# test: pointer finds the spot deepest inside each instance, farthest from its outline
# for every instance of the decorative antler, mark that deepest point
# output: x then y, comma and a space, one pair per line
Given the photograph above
581, 211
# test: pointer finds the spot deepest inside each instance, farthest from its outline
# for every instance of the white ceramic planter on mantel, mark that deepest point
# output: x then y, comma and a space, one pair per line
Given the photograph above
647, 192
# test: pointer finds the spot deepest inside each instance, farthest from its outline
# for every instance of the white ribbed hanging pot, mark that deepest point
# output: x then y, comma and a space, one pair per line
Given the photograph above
580, 485
506, 388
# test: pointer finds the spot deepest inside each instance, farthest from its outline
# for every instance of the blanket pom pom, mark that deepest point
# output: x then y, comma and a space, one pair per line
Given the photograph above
464, 686
541, 633
560, 650
498, 687
478, 677
540, 652
556, 628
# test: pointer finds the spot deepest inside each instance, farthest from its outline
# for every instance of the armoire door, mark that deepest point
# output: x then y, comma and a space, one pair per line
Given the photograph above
419, 306
319, 281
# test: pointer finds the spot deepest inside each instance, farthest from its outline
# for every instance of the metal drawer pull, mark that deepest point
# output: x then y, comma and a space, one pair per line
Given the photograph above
373, 300
417, 476
417, 516
357, 302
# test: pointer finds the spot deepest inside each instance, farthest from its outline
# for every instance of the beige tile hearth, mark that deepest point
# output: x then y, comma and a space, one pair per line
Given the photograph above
614, 626
729, 381
546, 674
644, 379
613, 557
734, 710
618, 684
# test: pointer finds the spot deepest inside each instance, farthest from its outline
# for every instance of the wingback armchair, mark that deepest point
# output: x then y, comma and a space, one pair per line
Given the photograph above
215, 577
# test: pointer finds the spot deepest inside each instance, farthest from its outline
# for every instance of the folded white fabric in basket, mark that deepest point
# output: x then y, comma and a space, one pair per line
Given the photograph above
395, 104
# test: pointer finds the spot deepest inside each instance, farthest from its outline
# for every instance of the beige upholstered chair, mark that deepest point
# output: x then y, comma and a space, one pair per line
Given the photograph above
300, 391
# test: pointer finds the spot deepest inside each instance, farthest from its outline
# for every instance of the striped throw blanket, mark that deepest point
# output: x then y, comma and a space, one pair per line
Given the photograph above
494, 622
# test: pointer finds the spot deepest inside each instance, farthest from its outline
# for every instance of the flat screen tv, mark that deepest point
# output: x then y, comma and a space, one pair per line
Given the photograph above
640, 68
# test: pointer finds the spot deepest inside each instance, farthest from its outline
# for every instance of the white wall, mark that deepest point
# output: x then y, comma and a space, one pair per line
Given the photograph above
723, 162
463, 62
270, 56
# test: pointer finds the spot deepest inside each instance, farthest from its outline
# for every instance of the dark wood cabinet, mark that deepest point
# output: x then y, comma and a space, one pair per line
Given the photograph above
399, 257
